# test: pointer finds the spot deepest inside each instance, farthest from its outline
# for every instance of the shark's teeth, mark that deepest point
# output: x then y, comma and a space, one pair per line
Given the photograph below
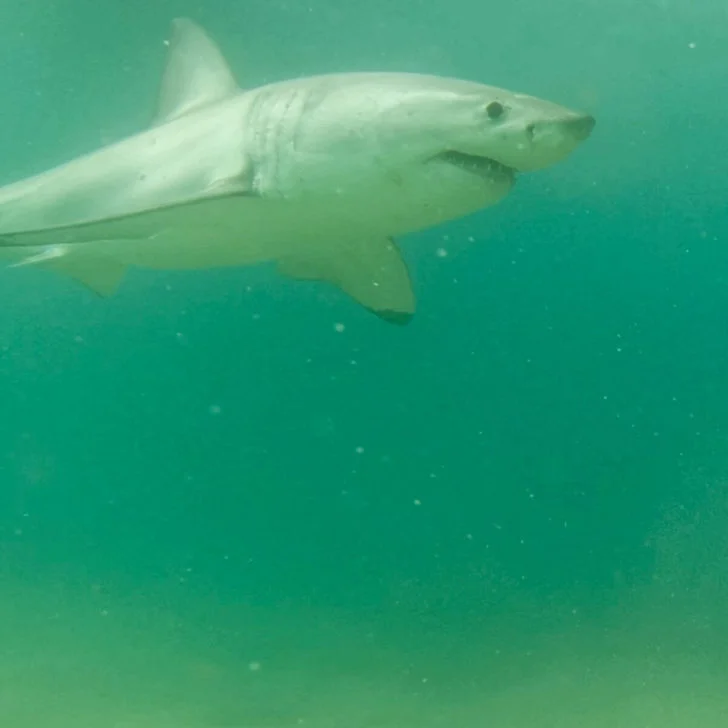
484, 166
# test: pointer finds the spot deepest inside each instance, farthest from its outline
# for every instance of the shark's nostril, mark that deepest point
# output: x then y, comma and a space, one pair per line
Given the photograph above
582, 127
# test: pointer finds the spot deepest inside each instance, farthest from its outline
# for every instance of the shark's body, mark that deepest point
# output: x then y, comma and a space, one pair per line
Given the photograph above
317, 175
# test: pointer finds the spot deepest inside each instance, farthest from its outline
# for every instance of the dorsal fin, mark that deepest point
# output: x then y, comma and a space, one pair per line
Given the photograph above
196, 73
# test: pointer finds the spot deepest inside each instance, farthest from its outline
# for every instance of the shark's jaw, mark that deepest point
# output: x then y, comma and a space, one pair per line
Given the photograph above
484, 167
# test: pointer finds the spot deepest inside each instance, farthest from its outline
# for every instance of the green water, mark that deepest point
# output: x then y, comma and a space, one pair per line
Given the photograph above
232, 501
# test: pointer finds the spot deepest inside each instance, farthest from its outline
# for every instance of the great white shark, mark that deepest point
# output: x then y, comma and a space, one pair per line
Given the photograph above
318, 175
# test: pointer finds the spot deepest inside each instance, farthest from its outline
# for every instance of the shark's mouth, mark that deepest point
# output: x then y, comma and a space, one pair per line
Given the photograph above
482, 166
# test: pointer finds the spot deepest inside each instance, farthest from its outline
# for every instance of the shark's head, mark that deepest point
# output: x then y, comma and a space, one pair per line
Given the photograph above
469, 123
455, 144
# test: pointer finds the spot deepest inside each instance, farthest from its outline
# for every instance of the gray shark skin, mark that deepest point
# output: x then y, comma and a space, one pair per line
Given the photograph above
317, 175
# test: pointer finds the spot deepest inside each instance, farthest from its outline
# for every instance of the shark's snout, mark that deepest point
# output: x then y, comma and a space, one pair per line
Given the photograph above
581, 127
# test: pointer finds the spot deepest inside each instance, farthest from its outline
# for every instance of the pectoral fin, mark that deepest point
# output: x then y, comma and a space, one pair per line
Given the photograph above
100, 274
371, 271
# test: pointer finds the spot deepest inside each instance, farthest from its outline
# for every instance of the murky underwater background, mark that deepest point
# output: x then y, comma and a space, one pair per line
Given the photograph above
218, 509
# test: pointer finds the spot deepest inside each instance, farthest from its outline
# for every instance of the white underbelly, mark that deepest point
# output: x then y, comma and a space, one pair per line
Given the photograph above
241, 230
246, 231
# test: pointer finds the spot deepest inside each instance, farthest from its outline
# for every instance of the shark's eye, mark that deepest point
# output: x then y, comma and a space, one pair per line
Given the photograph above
494, 110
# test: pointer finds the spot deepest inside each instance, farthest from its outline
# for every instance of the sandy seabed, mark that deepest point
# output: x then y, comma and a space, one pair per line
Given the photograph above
74, 655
